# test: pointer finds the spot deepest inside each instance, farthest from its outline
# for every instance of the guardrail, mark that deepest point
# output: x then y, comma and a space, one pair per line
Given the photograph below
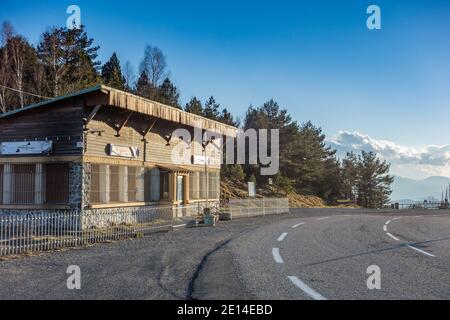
38, 232
251, 207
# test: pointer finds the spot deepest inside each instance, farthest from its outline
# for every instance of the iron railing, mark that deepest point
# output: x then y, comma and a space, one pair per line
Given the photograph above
245, 208
27, 233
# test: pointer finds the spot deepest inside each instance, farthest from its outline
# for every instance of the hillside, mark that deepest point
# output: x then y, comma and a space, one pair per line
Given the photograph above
236, 189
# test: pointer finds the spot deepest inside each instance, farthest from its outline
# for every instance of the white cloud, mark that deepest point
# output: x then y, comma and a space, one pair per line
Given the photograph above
406, 161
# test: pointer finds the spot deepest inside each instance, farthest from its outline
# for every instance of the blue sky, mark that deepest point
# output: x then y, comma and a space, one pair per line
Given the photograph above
316, 58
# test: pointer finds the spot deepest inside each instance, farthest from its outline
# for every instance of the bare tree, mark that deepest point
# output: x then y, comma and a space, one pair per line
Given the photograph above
51, 54
6, 33
155, 65
128, 73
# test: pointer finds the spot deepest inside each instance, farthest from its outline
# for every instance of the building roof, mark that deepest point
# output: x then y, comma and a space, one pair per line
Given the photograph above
117, 98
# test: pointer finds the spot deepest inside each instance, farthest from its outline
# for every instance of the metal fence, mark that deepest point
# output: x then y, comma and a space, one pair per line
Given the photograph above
49, 231
245, 208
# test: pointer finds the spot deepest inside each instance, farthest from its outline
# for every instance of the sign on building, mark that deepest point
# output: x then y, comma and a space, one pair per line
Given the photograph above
200, 160
26, 147
123, 151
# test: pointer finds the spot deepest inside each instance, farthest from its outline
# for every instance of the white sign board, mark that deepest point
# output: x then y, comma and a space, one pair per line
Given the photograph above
200, 160
26, 147
123, 151
251, 189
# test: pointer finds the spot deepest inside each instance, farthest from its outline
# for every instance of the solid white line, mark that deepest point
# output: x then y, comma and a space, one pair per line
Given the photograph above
421, 251
320, 219
385, 228
276, 255
297, 225
180, 225
281, 238
390, 235
306, 289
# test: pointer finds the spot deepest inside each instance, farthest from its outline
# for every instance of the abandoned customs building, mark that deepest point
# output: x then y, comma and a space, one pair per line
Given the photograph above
103, 149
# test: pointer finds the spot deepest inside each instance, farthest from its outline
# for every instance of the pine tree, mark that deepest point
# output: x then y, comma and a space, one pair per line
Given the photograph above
374, 181
112, 73
144, 88
349, 176
168, 94
211, 110
227, 118
194, 106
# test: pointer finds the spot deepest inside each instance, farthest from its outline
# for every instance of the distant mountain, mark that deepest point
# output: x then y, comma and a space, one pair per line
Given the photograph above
407, 190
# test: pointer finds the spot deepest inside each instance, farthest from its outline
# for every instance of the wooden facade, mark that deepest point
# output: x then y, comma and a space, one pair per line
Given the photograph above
123, 144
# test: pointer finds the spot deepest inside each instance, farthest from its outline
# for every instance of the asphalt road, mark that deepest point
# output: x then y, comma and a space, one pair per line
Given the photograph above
307, 254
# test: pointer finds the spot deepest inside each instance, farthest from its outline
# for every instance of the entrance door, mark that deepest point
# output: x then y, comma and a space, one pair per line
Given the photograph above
180, 188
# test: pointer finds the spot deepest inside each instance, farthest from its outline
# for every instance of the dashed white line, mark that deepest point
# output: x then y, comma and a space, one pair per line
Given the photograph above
392, 236
396, 218
421, 251
297, 225
385, 228
306, 289
276, 255
387, 222
282, 237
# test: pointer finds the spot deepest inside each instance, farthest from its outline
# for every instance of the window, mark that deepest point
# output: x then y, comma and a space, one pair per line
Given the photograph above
164, 185
194, 191
114, 184
57, 183
132, 173
214, 185
202, 187
23, 183
1, 183
95, 183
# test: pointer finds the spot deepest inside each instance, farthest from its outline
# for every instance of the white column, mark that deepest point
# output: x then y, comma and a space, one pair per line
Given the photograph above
140, 184
123, 184
39, 184
104, 183
7, 183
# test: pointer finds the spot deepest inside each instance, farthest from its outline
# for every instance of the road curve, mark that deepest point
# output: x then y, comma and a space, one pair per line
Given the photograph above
328, 257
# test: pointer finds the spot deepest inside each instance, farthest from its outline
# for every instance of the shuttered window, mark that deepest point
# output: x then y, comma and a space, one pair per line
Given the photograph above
194, 187
214, 185
57, 183
23, 183
132, 184
114, 184
1, 184
95, 184
202, 187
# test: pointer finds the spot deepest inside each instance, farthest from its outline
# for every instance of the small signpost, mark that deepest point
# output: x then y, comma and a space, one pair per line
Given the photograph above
251, 189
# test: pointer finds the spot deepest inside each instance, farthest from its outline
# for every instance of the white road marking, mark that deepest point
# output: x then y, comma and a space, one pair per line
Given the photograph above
389, 221
281, 238
306, 289
276, 255
385, 228
320, 219
297, 225
390, 235
421, 251
396, 218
